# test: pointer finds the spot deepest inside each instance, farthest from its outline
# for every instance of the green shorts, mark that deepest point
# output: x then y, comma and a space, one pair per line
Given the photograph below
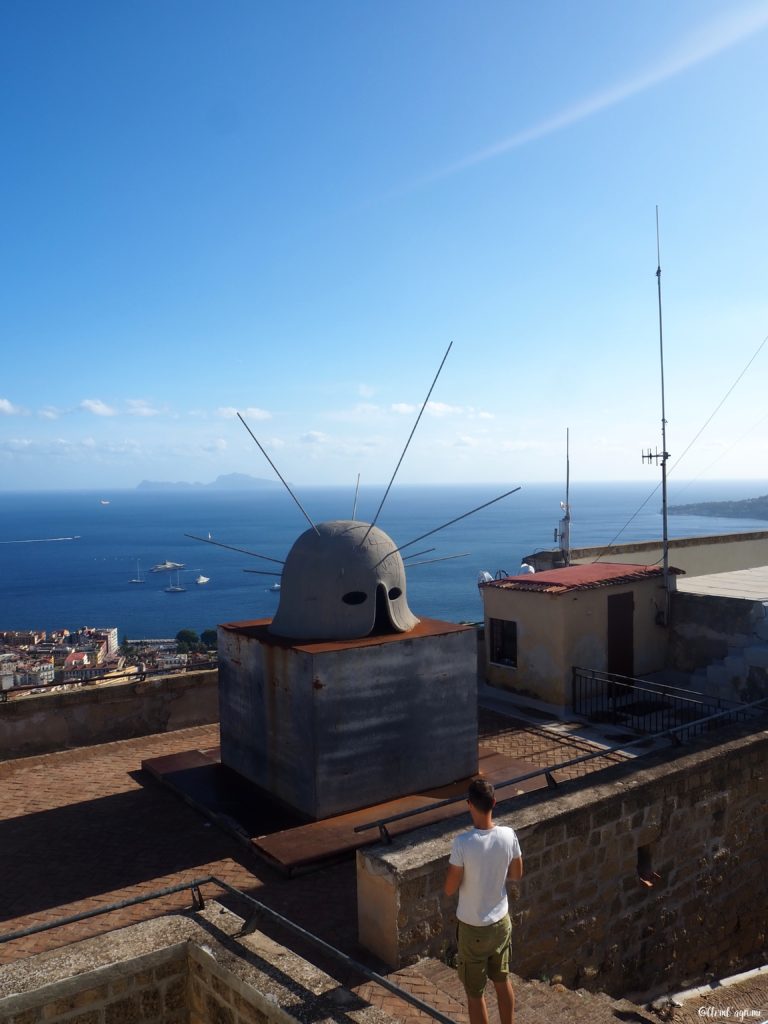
483, 954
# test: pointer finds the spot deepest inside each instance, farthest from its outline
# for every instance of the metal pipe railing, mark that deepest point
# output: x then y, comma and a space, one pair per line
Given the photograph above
59, 922
260, 909
381, 823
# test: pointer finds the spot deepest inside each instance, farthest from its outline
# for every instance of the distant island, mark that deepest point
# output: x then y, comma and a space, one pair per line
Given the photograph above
747, 508
227, 482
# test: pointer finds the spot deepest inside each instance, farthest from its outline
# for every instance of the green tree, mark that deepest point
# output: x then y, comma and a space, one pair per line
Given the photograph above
209, 639
186, 640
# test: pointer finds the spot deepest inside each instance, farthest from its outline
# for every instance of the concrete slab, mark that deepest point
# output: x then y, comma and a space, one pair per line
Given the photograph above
744, 584
279, 836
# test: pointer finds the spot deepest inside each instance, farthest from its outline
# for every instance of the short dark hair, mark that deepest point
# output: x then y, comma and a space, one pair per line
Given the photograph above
480, 795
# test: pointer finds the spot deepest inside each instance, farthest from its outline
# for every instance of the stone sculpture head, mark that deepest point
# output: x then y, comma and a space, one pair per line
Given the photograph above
337, 586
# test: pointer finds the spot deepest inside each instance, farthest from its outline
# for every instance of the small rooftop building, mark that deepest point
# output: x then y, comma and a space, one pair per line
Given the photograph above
601, 617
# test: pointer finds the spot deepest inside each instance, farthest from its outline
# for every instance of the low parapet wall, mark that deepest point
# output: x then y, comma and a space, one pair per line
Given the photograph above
179, 969
696, 556
697, 820
45, 722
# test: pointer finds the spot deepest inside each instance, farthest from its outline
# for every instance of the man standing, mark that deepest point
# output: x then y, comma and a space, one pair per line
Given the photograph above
481, 861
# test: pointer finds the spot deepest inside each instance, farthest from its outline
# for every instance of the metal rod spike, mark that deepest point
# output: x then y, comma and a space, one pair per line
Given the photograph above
402, 456
231, 547
279, 474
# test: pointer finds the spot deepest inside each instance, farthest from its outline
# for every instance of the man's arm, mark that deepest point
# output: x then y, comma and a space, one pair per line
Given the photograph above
515, 870
453, 877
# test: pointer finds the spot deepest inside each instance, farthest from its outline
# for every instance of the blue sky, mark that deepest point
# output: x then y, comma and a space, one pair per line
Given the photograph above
290, 209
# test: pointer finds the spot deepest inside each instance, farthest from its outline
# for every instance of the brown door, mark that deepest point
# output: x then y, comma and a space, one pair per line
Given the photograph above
621, 636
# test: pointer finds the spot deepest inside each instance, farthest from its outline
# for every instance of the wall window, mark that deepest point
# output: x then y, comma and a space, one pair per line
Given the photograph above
503, 642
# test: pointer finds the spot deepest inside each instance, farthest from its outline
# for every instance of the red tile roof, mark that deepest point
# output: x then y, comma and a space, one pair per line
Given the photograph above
579, 577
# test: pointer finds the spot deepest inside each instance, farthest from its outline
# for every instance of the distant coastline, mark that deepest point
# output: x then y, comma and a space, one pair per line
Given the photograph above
747, 508
227, 482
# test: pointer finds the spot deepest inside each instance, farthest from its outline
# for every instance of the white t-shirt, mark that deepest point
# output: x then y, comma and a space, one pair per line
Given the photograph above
485, 855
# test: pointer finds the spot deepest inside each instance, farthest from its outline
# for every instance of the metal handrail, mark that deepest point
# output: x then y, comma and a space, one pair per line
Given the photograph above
381, 823
259, 908
653, 687
59, 922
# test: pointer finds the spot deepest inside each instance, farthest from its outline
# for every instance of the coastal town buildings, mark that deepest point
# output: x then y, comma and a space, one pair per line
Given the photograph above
32, 659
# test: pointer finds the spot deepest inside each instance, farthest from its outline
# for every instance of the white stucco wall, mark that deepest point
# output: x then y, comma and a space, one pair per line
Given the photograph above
556, 632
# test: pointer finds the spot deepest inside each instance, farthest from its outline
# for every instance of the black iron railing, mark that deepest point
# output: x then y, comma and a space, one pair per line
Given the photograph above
647, 707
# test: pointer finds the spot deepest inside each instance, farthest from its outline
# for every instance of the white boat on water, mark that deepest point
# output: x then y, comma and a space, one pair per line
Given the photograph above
104, 501
275, 586
139, 578
175, 588
203, 579
167, 566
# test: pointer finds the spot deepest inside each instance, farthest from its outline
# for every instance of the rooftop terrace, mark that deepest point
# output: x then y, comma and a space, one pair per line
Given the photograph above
84, 828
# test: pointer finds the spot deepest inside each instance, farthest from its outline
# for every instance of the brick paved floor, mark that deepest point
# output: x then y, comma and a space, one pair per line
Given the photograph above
84, 828
742, 1002
540, 746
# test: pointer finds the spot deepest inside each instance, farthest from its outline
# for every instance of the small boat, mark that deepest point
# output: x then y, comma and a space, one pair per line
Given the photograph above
139, 578
167, 566
203, 579
175, 588
275, 586
104, 501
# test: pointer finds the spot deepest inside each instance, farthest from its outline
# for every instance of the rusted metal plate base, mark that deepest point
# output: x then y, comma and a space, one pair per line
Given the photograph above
279, 836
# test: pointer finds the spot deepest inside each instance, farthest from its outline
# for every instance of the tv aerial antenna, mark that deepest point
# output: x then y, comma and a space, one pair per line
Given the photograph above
661, 457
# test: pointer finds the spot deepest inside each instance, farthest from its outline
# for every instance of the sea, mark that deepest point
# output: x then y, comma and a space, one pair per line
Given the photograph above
67, 558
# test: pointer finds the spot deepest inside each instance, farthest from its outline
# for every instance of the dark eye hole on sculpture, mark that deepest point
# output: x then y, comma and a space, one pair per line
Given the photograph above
394, 593
355, 597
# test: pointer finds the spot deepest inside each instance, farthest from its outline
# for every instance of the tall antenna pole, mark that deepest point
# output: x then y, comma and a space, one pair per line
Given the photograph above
565, 525
662, 456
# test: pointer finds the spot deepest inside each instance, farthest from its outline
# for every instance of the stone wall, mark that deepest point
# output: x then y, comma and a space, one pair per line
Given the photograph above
189, 968
151, 989
723, 640
582, 911
103, 712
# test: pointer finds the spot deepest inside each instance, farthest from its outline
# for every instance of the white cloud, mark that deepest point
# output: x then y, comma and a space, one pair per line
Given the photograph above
314, 437
442, 409
97, 407
49, 412
229, 412
216, 445
365, 391
437, 409
16, 444
140, 407
8, 408
702, 43
360, 412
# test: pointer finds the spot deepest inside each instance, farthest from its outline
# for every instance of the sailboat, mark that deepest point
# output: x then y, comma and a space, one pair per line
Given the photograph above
203, 579
139, 578
175, 588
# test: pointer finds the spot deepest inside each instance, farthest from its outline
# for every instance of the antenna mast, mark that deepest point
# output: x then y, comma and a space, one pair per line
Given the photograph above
564, 532
663, 455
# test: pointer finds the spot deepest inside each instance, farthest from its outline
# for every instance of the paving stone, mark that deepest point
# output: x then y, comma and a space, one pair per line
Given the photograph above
84, 828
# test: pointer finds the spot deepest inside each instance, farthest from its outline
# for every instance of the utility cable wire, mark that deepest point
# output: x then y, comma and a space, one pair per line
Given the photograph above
720, 404
679, 459
723, 453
